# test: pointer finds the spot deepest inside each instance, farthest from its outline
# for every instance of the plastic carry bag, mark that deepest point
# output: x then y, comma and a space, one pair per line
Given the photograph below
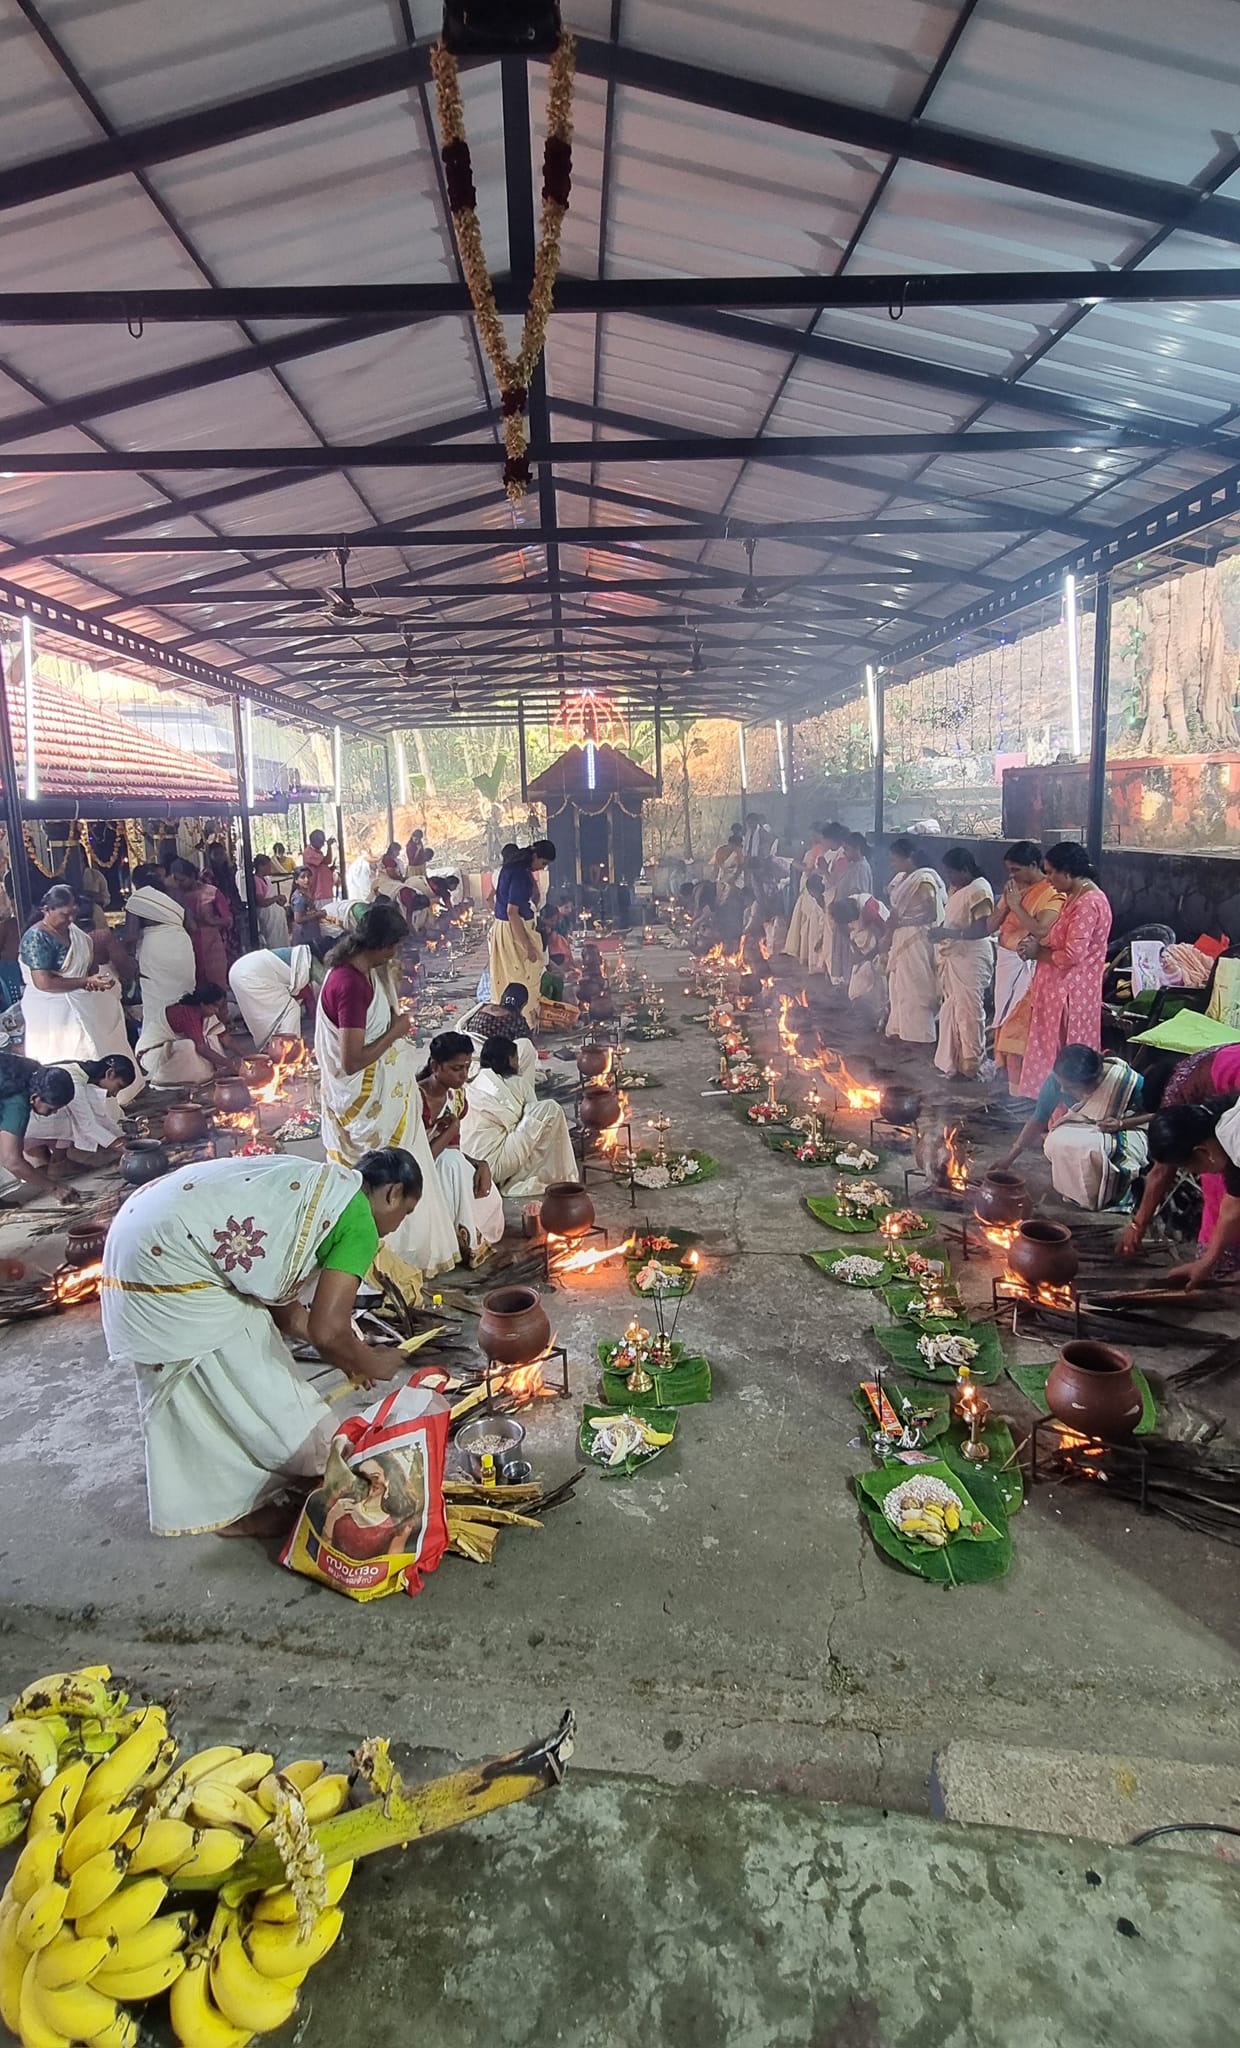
376, 1525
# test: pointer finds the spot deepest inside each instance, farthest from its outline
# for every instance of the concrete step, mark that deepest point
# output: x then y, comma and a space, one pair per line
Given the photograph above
1099, 1798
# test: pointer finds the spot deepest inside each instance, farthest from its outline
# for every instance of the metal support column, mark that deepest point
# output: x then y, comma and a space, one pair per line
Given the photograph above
340, 859
247, 845
658, 747
880, 746
387, 785
1098, 719
13, 810
525, 779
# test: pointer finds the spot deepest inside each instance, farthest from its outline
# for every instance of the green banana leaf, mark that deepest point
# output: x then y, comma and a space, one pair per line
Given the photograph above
1002, 1467
923, 1399
825, 1209
688, 1383
784, 1145
966, 1561
901, 1345
708, 1168
827, 1262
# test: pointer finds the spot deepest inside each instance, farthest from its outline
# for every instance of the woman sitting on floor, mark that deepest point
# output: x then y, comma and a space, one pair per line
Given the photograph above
1082, 1117
524, 1142
505, 1019
475, 1202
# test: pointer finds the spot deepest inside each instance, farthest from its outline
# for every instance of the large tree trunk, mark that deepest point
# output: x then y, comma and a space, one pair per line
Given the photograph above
1189, 676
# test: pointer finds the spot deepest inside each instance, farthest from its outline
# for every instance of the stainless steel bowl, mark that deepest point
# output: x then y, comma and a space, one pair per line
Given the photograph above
473, 1433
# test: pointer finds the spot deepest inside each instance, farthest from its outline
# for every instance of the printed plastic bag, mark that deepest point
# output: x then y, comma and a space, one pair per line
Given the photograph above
376, 1524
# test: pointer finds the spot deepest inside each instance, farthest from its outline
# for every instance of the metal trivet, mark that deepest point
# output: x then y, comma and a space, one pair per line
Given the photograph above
1069, 1454
493, 1379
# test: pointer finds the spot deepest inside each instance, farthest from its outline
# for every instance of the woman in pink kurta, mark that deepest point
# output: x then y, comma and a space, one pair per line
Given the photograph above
1071, 961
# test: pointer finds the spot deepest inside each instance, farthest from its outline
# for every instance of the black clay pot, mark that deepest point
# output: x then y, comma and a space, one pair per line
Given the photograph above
143, 1159
899, 1105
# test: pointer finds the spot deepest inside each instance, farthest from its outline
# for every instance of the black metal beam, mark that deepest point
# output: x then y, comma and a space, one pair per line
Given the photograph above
885, 291
274, 107
802, 532
414, 453
918, 141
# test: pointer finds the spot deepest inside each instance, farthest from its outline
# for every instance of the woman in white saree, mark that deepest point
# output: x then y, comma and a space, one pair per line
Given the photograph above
71, 1012
168, 971
368, 1089
266, 986
524, 1142
965, 953
917, 897
201, 1274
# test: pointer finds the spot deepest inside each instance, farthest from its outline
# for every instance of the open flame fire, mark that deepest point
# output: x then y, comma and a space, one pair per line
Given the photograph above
71, 1284
286, 1065
859, 1097
584, 1261
956, 1164
1017, 1289
1002, 1236
518, 1385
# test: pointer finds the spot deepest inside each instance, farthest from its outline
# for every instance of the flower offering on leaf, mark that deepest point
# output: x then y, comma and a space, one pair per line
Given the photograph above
947, 1353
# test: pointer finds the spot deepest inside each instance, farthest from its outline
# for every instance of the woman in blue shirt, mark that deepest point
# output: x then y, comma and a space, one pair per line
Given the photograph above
516, 952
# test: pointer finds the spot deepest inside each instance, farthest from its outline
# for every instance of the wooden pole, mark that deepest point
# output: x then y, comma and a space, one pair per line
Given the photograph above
525, 778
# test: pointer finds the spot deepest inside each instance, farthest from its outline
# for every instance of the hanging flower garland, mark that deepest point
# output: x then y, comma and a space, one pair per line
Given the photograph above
512, 374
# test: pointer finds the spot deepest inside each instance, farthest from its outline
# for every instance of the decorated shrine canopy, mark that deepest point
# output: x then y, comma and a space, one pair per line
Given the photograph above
591, 784
862, 327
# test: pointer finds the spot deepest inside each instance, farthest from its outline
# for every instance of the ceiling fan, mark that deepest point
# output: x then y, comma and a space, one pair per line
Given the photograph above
754, 596
340, 603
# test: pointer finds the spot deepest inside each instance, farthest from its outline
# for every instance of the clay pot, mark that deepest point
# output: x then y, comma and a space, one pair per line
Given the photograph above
600, 1108
185, 1125
593, 1060
232, 1097
602, 1005
899, 1106
143, 1159
591, 958
1043, 1255
1002, 1198
513, 1327
1092, 1389
566, 1209
85, 1244
257, 1070
13, 1272
588, 987
749, 985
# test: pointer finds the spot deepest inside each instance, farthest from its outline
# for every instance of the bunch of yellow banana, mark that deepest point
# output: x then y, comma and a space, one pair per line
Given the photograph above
63, 1717
89, 1922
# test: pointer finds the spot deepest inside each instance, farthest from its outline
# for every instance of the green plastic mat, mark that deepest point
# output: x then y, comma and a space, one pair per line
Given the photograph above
825, 1209
900, 1343
688, 1383
827, 1262
668, 1418
967, 1560
1190, 1031
1031, 1379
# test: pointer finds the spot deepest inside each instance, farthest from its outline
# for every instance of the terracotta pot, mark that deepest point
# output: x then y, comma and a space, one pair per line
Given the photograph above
13, 1272
602, 1005
143, 1159
258, 1070
1043, 1255
588, 987
566, 1209
1003, 1197
899, 1105
591, 957
85, 1244
1092, 1389
232, 1097
283, 1049
600, 1108
513, 1327
185, 1125
593, 1060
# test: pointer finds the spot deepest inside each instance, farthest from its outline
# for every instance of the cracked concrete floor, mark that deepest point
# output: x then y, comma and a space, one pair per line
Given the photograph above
722, 1619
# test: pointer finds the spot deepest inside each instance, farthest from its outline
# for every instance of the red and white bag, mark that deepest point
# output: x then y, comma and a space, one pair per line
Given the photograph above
376, 1524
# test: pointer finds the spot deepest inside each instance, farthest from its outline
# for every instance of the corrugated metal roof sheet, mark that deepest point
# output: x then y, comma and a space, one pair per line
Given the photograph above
665, 187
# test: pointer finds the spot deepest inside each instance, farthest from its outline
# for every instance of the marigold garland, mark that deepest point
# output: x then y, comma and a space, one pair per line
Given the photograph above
512, 374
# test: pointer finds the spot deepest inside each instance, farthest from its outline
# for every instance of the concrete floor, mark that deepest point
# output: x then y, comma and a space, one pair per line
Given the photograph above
720, 1621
